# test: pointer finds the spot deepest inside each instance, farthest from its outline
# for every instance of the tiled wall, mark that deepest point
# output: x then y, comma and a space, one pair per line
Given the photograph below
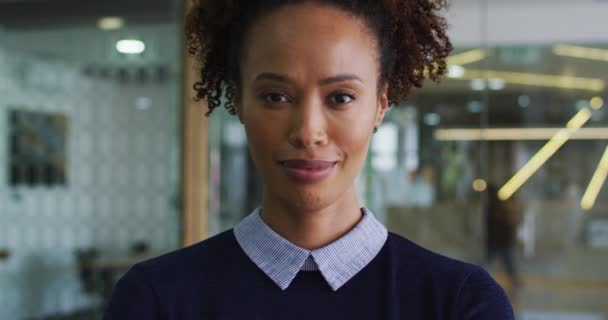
123, 165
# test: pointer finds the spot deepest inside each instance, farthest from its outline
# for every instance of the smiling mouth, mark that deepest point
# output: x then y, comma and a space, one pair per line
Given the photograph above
308, 171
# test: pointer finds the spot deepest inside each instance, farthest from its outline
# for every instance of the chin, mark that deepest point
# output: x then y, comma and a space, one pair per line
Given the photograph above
308, 199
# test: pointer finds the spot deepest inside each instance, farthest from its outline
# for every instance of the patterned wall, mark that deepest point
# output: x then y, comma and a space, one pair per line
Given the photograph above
123, 166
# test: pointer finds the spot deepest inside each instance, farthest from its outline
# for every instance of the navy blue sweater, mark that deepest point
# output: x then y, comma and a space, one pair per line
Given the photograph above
215, 280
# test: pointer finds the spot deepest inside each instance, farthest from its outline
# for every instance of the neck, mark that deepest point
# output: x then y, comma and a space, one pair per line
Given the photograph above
312, 228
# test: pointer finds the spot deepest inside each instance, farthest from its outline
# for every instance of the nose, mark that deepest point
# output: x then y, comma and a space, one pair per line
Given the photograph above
308, 125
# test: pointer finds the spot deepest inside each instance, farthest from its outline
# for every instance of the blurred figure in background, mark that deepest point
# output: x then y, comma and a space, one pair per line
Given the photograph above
420, 188
502, 220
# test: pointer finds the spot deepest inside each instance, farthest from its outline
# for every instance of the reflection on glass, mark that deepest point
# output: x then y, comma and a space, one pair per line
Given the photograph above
515, 143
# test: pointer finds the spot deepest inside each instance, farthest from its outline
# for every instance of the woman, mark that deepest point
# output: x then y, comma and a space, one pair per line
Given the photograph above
310, 81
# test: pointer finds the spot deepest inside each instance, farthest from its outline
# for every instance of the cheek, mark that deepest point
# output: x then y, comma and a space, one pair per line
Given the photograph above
262, 135
353, 142
357, 145
353, 136
256, 136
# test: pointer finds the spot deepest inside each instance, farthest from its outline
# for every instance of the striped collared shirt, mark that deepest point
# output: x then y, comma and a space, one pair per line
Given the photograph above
338, 262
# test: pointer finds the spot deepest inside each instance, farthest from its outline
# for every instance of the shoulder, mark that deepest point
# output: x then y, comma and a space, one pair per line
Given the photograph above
468, 289
146, 289
480, 297
204, 261
409, 255
196, 256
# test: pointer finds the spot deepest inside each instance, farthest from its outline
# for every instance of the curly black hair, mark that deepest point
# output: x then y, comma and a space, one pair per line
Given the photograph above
411, 34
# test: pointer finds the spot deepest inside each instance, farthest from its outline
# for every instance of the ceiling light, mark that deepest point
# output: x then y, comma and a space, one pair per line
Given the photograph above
467, 57
516, 134
143, 103
496, 84
478, 84
581, 52
596, 183
537, 80
596, 102
558, 140
455, 71
480, 185
110, 23
130, 46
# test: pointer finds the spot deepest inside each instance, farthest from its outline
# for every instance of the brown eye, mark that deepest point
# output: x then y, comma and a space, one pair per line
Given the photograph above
342, 98
275, 98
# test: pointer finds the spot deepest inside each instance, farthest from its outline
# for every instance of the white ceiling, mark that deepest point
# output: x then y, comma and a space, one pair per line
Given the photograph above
508, 22
93, 46
528, 22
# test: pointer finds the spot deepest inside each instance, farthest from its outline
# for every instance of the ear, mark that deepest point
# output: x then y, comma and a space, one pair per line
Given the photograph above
382, 106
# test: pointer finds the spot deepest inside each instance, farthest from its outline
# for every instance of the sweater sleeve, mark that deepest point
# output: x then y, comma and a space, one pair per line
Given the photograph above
481, 298
132, 298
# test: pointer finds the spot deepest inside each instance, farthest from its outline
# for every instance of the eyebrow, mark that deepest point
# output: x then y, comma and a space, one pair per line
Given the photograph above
323, 82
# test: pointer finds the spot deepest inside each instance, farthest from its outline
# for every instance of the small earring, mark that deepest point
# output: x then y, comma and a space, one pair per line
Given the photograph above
375, 129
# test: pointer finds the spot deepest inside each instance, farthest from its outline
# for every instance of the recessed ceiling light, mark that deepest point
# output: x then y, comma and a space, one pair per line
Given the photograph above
497, 84
478, 84
130, 46
110, 23
143, 103
456, 72
480, 185
596, 102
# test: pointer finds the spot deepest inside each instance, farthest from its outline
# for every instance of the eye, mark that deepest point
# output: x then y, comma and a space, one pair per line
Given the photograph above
342, 98
274, 98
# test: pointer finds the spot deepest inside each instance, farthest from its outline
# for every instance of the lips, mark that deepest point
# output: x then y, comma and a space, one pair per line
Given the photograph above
307, 164
308, 171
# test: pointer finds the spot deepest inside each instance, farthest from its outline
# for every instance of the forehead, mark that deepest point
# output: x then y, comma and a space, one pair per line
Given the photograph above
317, 38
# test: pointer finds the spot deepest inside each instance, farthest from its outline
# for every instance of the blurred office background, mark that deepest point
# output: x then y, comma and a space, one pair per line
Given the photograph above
89, 148
99, 140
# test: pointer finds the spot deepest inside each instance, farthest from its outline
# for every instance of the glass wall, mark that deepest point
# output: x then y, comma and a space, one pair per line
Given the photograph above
502, 164
507, 163
89, 149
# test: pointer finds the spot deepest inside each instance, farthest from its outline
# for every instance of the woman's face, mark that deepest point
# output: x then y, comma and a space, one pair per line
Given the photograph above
309, 102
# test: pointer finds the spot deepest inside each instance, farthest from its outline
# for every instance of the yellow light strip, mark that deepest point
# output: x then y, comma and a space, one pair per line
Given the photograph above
467, 57
516, 134
538, 80
596, 183
544, 154
581, 52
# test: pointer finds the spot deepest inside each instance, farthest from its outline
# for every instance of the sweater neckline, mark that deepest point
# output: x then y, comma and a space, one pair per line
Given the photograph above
338, 262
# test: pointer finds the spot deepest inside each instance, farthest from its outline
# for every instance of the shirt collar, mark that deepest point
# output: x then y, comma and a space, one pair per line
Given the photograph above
338, 262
